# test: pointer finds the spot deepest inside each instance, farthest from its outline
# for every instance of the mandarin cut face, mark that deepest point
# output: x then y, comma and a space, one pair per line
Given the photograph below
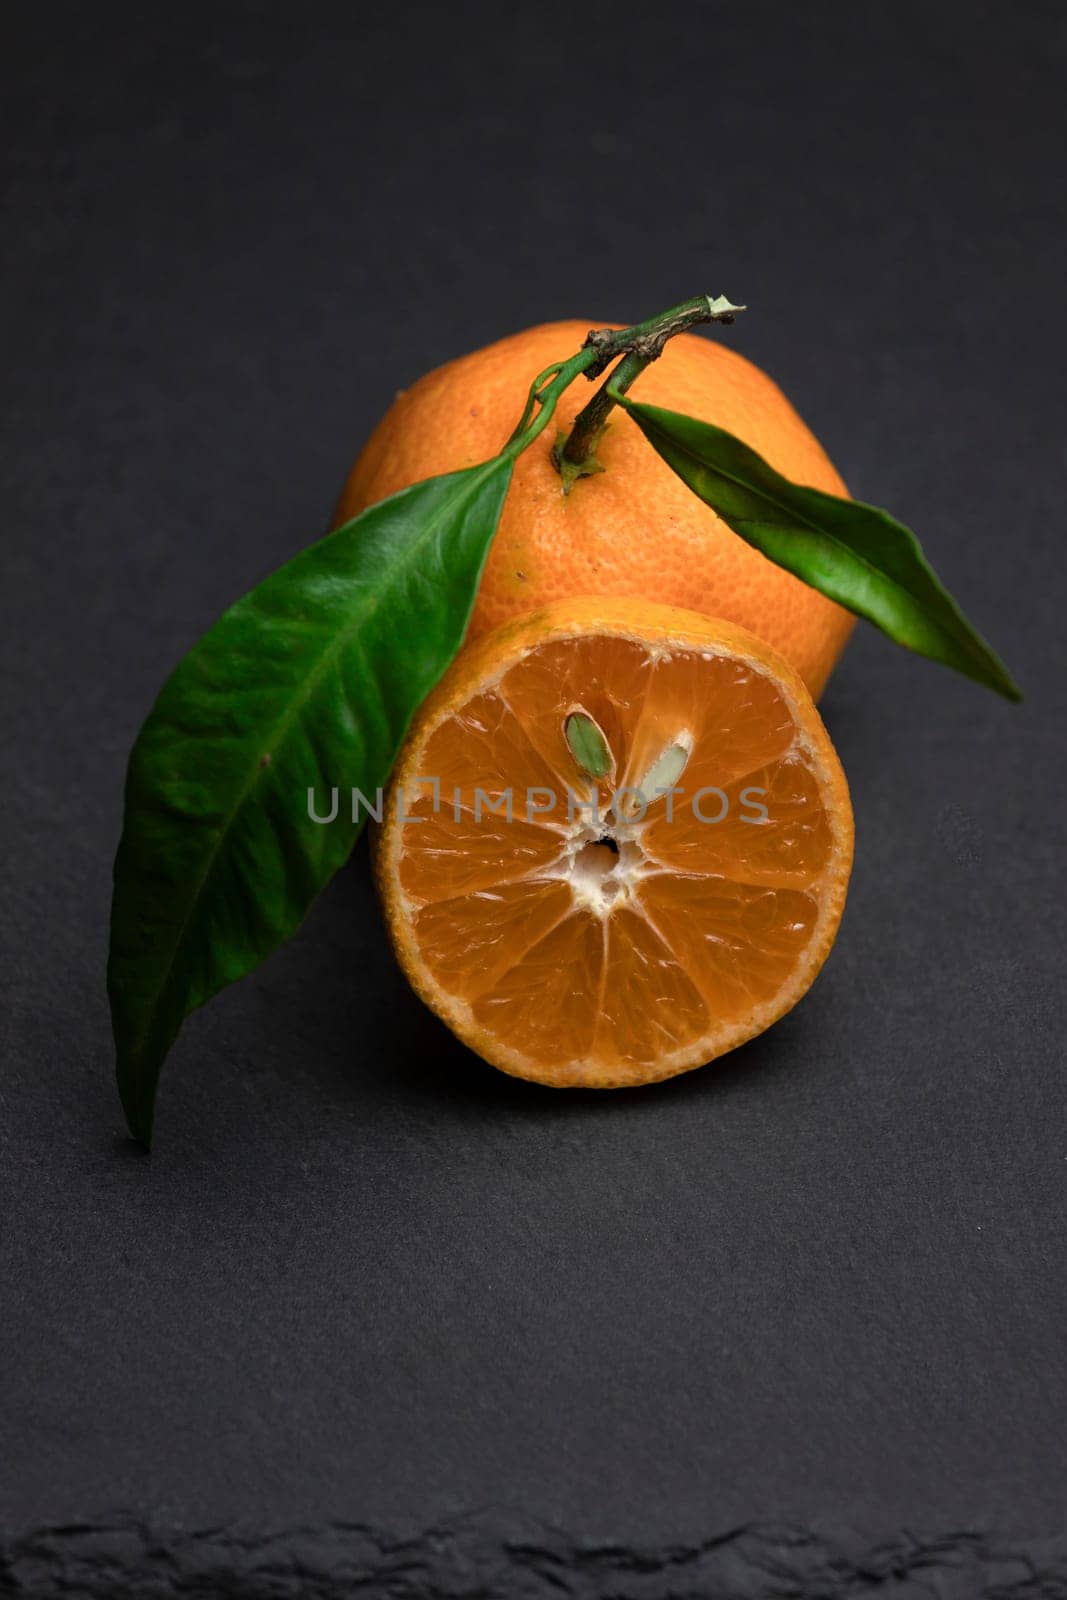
597, 927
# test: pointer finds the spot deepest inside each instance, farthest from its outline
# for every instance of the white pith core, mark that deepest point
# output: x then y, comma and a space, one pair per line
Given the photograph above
603, 865
603, 860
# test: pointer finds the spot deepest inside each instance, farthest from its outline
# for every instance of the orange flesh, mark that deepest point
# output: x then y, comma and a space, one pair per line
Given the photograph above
602, 948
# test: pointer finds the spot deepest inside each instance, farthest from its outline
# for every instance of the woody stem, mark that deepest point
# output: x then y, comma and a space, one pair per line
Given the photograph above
637, 346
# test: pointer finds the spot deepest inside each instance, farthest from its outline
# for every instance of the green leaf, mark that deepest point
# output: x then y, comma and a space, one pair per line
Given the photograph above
854, 553
308, 683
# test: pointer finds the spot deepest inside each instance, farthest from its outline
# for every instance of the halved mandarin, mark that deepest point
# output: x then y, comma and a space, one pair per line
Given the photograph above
617, 843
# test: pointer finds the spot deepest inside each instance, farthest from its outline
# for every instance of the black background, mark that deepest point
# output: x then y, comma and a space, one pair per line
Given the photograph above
363, 1280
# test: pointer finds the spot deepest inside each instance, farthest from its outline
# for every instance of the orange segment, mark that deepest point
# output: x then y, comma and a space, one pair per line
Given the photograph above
735, 938
610, 686
471, 943
744, 718
773, 829
551, 991
651, 1006
576, 933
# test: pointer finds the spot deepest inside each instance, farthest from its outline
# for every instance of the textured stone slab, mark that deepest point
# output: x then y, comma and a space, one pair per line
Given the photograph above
498, 1558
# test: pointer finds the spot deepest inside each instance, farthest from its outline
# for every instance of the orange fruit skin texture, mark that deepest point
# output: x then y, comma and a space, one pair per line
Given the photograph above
458, 738
634, 530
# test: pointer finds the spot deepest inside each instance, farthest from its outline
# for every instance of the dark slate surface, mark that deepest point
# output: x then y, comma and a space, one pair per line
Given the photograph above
372, 1318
